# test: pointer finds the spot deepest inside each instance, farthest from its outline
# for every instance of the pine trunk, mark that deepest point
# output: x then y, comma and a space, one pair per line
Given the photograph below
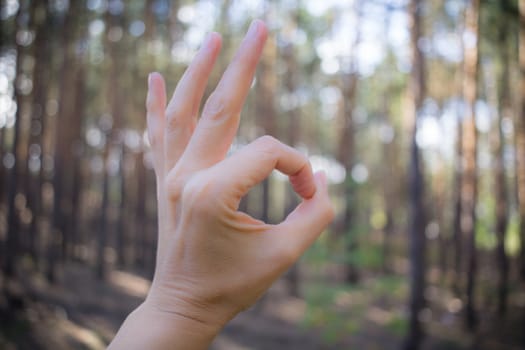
292, 138
346, 154
13, 219
469, 187
520, 140
62, 180
265, 111
416, 229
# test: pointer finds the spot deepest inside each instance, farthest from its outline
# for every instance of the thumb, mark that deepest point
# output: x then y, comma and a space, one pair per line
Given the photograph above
302, 227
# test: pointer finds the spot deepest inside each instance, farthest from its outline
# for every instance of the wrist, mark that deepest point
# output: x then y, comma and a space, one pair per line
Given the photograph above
187, 316
153, 328
202, 307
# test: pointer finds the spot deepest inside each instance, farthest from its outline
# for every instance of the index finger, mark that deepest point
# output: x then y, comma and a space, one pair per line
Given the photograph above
237, 174
220, 117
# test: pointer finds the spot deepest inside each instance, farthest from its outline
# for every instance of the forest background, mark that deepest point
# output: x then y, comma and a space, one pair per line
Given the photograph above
414, 108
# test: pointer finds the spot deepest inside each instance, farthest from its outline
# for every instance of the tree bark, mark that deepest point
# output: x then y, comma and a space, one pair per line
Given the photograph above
498, 94
292, 138
469, 187
38, 122
456, 224
416, 229
13, 219
520, 140
115, 103
62, 180
265, 109
78, 148
346, 153
389, 178
123, 217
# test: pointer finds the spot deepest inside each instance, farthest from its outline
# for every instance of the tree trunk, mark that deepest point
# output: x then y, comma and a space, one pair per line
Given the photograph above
141, 240
78, 148
456, 224
469, 188
265, 109
38, 124
123, 218
292, 138
498, 94
346, 154
520, 140
389, 156
115, 103
416, 229
13, 219
102, 239
62, 180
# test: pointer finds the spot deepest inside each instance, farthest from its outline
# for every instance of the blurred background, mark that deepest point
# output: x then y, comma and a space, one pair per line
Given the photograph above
414, 109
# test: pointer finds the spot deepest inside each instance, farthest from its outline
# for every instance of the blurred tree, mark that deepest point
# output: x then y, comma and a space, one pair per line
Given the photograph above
113, 41
16, 172
503, 110
346, 151
520, 138
469, 187
265, 108
416, 229
35, 169
458, 180
63, 155
293, 132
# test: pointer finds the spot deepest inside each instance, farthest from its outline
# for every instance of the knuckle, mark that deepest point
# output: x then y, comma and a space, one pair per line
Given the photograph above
267, 148
153, 138
153, 104
197, 194
175, 115
174, 185
267, 141
193, 72
217, 108
267, 144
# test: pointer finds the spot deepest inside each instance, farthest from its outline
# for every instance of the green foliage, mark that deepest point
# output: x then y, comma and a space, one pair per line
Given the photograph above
485, 237
319, 252
512, 239
398, 325
394, 286
342, 310
324, 312
369, 256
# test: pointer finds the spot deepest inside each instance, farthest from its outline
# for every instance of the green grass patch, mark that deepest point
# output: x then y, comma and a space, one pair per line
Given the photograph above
398, 325
340, 310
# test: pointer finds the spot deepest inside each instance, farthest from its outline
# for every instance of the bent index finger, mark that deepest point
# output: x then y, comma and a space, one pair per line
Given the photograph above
220, 117
255, 162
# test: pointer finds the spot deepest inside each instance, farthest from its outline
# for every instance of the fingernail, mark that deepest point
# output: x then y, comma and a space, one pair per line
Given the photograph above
149, 79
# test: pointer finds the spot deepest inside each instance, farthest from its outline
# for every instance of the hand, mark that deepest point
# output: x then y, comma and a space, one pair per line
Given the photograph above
214, 261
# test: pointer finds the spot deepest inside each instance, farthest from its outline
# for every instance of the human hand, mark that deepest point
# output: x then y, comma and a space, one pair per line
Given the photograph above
214, 261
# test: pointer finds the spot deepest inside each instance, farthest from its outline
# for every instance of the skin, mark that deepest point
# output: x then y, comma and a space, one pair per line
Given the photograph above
212, 260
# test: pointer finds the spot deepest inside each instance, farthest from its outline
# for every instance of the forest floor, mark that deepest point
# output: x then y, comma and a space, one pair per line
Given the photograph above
84, 313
